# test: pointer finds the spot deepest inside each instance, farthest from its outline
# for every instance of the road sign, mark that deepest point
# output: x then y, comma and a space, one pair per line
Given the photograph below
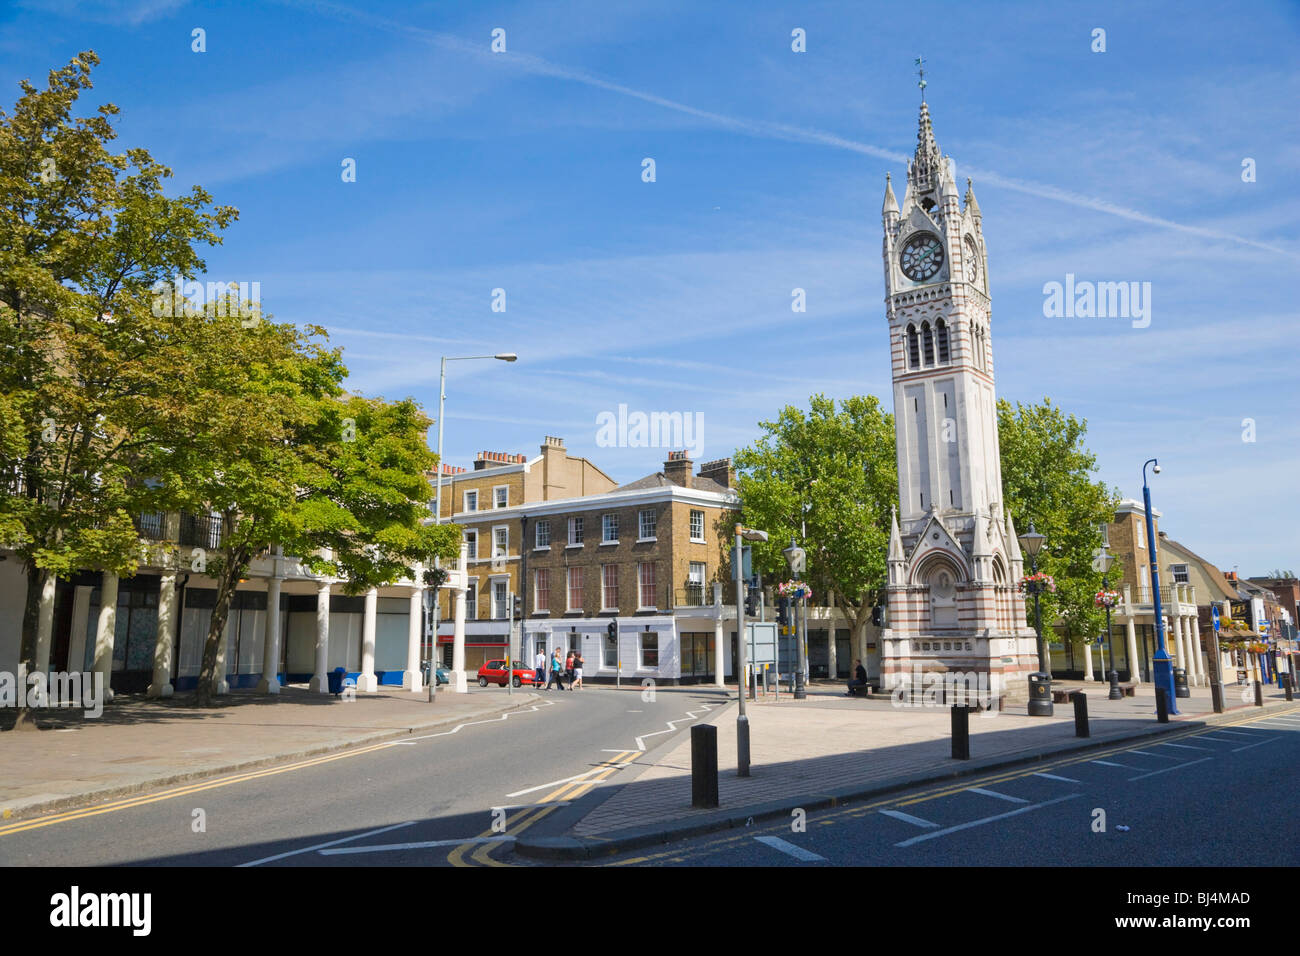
1214, 616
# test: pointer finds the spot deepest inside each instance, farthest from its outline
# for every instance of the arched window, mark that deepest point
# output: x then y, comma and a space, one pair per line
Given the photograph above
913, 348
941, 327
927, 337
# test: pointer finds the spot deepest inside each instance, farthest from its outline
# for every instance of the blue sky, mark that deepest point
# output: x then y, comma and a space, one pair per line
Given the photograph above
523, 171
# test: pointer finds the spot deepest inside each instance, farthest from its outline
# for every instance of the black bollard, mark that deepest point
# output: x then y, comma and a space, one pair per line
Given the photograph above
1080, 714
1259, 693
1216, 695
704, 766
1289, 680
961, 733
1162, 705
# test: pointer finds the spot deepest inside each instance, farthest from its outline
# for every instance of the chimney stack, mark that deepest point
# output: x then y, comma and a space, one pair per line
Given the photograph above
677, 469
719, 470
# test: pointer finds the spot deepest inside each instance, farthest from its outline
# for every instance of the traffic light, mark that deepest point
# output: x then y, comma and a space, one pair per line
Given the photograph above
878, 615
751, 603
783, 611
612, 630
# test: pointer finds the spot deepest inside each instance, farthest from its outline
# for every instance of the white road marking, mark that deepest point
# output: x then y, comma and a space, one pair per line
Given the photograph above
556, 783
1186, 747
524, 806
1235, 733
424, 845
908, 818
611, 750
1167, 769
1257, 743
1107, 763
1222, 740
994, 793
319, 846
636, 711
494, 720
1147, 753
672, 726
976, 823
1052, 776
798, 852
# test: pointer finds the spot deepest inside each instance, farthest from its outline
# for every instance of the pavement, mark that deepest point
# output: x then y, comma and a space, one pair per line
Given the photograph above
139, 743
829, 749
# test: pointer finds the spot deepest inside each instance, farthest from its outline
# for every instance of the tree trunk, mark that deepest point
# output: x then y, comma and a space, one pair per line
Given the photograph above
24, 719
209, 679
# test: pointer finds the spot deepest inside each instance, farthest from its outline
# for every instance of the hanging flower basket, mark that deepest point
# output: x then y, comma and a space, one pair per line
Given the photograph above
1258, 648
794, 590
1042, 581
1106, 598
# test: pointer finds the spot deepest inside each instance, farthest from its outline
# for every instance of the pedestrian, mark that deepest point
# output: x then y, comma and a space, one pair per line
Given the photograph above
577, 669
568, 669
557, 670
539, 665
859, 679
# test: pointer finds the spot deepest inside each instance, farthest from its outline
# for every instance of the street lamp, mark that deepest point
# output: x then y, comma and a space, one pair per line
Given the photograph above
1041, 706
797, 559
437, 507
1104, 560
1162, 666
742, 721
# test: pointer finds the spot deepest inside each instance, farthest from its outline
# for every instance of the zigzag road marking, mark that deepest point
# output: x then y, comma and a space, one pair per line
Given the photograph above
494, 720
672, 725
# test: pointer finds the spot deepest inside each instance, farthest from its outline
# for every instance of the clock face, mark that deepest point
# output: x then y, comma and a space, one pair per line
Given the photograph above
972, 260
922, 257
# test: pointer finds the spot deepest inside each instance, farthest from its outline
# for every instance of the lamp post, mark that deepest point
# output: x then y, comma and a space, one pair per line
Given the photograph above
1104, 561
797, 558
1162, 666
437, 501
1032, 542
742, 649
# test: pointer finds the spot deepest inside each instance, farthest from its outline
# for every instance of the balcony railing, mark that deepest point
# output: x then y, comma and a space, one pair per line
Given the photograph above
693, 595
152, 526
201, 531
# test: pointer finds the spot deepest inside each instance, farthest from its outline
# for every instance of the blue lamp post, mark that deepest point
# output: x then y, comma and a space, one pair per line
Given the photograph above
1162, 667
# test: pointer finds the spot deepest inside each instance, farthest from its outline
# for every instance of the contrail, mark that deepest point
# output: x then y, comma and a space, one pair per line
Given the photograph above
537, 66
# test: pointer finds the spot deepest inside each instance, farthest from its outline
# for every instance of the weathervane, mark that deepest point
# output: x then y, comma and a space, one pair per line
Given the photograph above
920, 70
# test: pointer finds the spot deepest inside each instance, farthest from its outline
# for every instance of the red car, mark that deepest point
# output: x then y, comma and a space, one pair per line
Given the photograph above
494, 672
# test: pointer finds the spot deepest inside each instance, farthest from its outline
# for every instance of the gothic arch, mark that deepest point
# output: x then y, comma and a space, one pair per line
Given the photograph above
941, 333
933, 562
913, 348
927, 340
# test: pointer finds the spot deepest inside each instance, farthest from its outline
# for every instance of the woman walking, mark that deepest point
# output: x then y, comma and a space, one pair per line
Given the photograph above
577, 670
568, 669
557, 672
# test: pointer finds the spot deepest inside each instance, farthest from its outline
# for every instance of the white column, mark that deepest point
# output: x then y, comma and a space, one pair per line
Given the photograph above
45, 625
1134, 662
104, 629
1087, 660
366, 680
80, 623
161, 685
719, 657
831, 669
411, 677
1202, 671
1176, 620
320, 680
270, 682
459, 679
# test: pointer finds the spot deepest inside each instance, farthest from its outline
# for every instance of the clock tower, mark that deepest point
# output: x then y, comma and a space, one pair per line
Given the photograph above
954, 562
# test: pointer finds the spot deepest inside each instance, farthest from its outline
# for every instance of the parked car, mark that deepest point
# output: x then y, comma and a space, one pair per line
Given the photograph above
443, 675
494, 672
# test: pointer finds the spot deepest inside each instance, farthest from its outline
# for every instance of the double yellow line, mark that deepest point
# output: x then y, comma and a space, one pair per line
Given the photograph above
948, 789
181, 791
527, 816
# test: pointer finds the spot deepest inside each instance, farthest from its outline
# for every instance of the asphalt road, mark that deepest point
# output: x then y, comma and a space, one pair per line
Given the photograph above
1218, 797
418, 802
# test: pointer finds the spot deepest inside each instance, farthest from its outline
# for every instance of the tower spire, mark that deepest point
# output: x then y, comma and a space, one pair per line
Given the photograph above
920, 71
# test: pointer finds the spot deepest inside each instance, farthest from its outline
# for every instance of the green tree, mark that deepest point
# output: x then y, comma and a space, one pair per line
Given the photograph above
86, 366
286, 459
1048, 479
833, 474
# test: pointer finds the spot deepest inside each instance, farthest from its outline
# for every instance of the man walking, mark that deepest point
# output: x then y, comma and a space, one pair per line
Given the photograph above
539, 664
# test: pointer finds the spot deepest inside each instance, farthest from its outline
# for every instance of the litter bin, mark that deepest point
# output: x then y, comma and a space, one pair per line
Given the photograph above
336, 680
1180, 683
1040, 695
